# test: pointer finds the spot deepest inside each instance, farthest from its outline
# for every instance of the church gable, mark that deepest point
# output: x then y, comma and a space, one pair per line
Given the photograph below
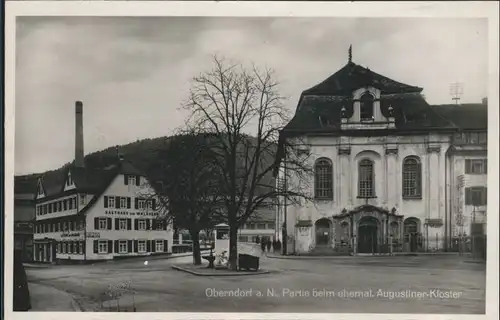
358, 99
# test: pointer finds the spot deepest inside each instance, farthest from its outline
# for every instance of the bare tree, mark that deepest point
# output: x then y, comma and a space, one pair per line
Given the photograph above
243, 112
186, 187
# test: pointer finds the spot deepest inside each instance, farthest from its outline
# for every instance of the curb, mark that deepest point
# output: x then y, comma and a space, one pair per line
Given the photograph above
224, 274
306, 257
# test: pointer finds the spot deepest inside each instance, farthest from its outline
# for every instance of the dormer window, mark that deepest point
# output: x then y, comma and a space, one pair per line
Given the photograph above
366, 108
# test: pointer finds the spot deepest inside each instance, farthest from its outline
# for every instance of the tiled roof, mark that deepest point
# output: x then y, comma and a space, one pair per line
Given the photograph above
465, 116
352, 77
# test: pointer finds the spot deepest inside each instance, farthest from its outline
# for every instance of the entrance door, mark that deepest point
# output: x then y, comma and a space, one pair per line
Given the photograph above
367, 235
322, 232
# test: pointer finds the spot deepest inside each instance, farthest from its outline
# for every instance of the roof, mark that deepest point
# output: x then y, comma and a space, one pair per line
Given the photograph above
352, 77
88, 180
323, 113
465, 116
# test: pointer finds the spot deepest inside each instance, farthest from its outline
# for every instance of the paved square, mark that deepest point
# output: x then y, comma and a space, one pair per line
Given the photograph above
444, 284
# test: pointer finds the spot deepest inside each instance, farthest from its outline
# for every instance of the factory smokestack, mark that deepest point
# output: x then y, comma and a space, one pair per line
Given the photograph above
79, 155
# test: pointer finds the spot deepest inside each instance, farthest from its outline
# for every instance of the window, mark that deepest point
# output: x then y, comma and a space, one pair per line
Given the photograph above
103, 224
323, 183
159, 246
131, 180
476, 166
64, 247
261, 226
476, 196
123, 202
71, 247
141, 246
81, 247
123, 224
59, 206
111, 202
365, 179
141, 204
149, 203
70, 204
59, 247
103, 246
45, 209
366, 107
412, 178
141, 224
77, 247
65, 205
122, 246
82, 199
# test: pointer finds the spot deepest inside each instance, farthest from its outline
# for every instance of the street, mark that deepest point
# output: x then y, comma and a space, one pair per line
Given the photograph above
423, 284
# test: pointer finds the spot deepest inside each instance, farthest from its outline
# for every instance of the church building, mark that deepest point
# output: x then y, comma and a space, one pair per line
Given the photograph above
389, 171
90, 214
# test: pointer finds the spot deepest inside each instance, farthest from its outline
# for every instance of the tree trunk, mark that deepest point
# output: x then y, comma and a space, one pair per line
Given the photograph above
233, 247
195, 235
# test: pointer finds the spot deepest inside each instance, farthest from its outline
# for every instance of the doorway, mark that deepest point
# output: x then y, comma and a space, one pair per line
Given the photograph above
368, 235
322, 227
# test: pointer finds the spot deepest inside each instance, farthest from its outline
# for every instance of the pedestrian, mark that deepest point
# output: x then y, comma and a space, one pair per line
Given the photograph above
274, 245
263, 245
268, 244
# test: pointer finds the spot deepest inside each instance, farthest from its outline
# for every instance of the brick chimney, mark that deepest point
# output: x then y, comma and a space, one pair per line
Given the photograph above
79, 155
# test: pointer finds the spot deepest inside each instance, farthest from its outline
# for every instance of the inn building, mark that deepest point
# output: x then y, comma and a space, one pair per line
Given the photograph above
90, 214
390, 170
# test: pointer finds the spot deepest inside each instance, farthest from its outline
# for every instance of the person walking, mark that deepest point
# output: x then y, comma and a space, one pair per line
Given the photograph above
268, 245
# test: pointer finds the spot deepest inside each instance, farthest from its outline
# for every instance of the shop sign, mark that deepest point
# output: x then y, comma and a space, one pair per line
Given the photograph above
93, 235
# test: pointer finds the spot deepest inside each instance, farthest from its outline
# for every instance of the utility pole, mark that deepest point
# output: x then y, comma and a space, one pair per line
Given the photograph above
456, 91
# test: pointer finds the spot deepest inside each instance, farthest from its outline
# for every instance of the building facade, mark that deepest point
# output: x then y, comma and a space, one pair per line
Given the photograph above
24, 218
97, 214
391, 172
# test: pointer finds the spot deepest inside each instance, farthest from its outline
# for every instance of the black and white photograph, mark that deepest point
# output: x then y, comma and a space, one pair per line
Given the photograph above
252, 163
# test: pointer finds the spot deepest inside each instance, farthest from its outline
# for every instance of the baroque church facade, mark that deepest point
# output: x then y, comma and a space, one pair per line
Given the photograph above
391, 172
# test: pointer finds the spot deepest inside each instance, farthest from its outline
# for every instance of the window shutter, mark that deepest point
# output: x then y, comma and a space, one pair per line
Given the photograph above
148, 246
105, 201
136, 202
468, 199
128, 202
96, 246
485, 166
129, 224
153, 246
129, 246
96, 223
148, 224
109, 223
125, 179
136, 226
117, 202
138, 180
468, 169
117, 224
136, 246
117, 242
165, 245
154, 204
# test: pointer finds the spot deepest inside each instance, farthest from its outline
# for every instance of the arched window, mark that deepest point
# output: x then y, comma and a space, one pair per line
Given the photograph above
366, 179
323, 182
412, 178
366, 107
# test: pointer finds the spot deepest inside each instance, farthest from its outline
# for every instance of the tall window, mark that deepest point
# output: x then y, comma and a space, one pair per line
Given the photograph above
141, 224
131, 180
323, 184
141, 246
366, 107
365, 184
103, 246
103, 224
412, 178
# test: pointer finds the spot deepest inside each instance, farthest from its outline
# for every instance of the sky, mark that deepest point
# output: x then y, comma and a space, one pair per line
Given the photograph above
133, 73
